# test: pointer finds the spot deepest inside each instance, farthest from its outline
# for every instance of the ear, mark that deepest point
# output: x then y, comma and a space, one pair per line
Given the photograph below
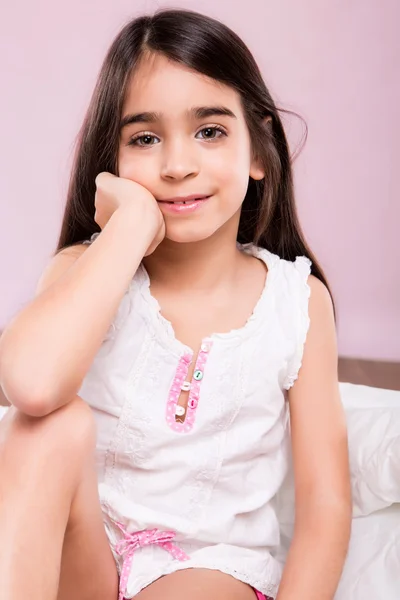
256, 168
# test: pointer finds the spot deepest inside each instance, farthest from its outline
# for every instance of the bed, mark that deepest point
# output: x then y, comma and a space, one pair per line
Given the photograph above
372, 568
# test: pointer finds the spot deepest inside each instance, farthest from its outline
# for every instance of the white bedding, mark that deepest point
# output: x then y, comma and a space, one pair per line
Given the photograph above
372, 569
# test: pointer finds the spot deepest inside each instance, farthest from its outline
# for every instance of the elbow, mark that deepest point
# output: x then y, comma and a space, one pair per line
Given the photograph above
31, 404
23, 395
36, 402
23, 391
34, 407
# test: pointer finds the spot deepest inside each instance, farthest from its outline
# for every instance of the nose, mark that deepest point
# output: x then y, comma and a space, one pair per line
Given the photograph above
179, 161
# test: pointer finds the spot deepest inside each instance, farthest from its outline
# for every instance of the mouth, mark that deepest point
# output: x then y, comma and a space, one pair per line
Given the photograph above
184, 200
182, 205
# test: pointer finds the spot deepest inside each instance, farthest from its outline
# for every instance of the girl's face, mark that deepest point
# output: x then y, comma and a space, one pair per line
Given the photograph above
182, 150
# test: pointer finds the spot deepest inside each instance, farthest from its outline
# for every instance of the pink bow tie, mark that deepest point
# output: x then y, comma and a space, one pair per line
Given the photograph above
133, 541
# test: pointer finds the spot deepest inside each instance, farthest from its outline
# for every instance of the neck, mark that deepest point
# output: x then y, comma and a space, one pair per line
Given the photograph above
203, 265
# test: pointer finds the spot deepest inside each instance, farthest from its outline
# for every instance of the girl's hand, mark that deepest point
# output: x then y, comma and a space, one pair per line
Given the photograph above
117, 193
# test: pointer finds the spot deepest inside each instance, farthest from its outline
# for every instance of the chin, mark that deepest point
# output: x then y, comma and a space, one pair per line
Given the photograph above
188, 235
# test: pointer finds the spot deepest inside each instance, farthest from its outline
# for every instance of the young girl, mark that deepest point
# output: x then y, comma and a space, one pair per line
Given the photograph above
185, 312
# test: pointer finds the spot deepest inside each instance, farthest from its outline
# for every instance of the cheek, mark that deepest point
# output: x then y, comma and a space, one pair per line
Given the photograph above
230, 171
234, 159
134, 168
125, 166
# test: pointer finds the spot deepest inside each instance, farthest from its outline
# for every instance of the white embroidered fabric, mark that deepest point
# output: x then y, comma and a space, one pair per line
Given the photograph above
213, 486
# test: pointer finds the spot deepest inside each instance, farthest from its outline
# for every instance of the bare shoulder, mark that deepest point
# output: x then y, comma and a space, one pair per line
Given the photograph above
321, 305
317, 286
59, 264
319, 360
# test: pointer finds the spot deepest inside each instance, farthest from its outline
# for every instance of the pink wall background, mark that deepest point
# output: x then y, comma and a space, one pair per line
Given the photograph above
336, 63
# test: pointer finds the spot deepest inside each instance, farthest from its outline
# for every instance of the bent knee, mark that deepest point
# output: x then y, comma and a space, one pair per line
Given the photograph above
69, 429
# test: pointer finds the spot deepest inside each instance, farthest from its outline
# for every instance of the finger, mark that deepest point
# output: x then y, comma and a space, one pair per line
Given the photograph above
103, 177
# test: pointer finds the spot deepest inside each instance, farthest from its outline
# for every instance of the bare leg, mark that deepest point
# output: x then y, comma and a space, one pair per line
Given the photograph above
53, 543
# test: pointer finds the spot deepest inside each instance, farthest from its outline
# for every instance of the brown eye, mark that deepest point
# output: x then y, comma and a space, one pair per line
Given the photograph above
146, 139
212, 131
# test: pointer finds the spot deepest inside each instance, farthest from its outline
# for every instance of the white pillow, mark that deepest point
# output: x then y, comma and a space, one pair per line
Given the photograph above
374, 450
373, 421
364, 396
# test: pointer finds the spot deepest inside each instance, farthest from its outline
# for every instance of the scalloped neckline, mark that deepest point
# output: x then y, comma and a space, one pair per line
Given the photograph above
166, 327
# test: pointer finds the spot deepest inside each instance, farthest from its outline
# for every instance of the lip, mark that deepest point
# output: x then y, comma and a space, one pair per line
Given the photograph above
194, 203
184, 198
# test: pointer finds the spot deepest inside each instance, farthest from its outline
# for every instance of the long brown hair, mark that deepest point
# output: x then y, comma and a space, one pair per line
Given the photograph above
269, 216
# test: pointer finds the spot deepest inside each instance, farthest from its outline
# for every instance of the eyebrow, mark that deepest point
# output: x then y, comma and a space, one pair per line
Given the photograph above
197, 112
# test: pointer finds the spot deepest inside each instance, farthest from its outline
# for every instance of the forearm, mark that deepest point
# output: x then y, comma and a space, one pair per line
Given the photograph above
49, 346
316, 556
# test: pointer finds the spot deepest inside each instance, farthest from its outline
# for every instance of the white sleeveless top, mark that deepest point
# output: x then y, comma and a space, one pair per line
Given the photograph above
210, 480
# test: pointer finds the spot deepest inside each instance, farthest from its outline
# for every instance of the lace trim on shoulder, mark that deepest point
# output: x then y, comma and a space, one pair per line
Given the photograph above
303, 266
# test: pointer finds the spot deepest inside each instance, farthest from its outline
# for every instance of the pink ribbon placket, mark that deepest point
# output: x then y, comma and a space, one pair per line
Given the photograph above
131, 542
194, 389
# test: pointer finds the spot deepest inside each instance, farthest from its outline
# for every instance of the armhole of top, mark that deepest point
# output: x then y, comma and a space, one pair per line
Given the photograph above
302, 266
92, 238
